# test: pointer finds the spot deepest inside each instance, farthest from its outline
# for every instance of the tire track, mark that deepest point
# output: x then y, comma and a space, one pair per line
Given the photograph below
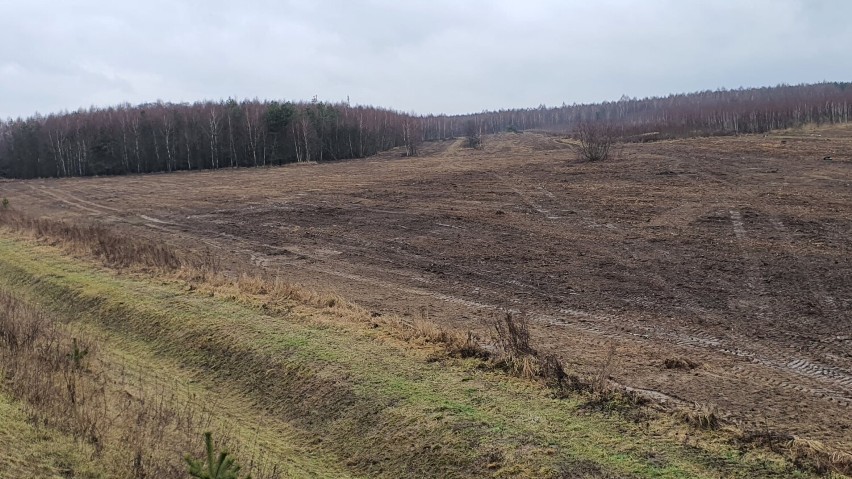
91, 203
45, 191
814, 285
526, 199
841, 379
797, 367
96, 209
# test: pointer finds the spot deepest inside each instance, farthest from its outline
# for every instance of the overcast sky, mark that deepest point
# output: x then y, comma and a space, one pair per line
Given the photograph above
426, 56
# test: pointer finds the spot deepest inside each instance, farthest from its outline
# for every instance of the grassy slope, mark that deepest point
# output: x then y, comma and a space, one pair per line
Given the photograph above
29, 451
331, 399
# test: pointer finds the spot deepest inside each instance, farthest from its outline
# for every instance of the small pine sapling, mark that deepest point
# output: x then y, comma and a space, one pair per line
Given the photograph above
222, 468
77, 355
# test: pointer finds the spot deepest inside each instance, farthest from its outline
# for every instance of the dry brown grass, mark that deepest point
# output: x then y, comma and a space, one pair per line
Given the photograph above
133, 427
252, 285
701, 416
680, 363
805, 453
817, 455
113, 249
203, 271
455, 343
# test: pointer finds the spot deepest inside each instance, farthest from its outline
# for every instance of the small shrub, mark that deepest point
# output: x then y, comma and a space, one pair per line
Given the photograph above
596, 141
473, 134
513, 336
514, 353
5, 203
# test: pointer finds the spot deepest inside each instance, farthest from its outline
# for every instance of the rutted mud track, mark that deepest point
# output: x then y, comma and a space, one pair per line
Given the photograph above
734, 252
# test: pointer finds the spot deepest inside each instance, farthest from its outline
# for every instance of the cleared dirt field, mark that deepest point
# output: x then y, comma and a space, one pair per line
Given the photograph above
734, 253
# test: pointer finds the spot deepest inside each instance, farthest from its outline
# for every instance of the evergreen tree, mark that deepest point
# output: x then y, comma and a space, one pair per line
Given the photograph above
222, 468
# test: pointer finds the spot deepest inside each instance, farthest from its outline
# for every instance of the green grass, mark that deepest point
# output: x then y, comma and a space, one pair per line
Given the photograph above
336, 400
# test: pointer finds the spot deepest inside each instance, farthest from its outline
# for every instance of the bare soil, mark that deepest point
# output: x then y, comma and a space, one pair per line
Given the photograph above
731, 254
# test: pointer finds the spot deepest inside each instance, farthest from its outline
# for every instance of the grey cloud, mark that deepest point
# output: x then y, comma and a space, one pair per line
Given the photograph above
435, 56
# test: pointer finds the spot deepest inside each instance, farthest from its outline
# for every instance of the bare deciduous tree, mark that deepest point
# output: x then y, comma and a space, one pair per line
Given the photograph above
412, 135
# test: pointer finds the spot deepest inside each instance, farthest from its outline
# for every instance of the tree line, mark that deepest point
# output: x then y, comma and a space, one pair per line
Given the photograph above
226, 134
706, 113
204, 135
